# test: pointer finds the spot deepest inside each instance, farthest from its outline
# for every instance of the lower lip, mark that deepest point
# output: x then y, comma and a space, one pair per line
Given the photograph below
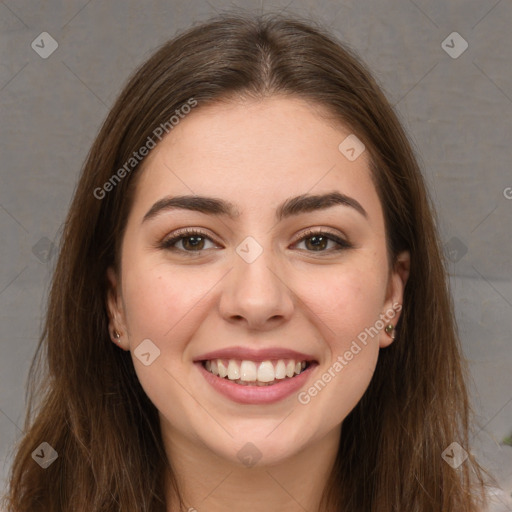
242, 394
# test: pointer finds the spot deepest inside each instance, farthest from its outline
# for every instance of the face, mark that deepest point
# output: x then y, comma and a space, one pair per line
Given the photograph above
254, 317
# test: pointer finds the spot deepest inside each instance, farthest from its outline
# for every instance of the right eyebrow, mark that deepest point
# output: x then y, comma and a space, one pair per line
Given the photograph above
208, 205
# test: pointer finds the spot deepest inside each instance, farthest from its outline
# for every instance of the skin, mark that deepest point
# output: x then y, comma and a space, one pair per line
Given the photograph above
255, 154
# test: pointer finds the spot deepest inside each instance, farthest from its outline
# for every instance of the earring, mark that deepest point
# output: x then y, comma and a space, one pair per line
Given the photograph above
117, 336
390, 331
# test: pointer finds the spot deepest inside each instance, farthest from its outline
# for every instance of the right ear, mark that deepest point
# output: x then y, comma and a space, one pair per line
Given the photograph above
115, 310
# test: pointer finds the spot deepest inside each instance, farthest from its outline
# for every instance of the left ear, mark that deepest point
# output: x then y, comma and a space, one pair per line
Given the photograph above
394, 295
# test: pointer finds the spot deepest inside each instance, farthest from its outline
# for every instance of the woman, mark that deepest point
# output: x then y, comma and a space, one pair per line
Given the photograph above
250, 308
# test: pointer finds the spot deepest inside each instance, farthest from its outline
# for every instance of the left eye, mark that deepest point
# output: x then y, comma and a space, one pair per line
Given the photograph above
194, 241
319, 241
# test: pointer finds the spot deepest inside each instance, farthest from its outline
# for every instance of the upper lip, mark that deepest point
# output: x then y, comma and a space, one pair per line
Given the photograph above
257, 355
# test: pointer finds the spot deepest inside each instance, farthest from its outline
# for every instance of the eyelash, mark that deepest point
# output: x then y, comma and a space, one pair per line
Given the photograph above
188, 232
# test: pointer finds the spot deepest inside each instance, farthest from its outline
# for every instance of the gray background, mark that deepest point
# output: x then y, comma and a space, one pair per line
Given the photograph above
457, 112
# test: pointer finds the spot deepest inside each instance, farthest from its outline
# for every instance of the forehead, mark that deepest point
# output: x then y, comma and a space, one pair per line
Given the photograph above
254, 153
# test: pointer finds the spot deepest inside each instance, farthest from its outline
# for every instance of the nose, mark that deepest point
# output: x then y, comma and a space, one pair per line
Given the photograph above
256, 294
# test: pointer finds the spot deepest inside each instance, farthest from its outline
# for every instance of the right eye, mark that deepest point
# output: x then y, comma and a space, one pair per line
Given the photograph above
191, 240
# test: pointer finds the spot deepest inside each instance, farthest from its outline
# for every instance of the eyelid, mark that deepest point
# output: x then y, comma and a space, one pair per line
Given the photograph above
308, 232
341, 241
168, 242
179, 234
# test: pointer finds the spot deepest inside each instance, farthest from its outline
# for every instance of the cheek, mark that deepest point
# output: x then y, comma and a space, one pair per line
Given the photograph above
158, 303
336, 390
347, 302
347, 311
164, 307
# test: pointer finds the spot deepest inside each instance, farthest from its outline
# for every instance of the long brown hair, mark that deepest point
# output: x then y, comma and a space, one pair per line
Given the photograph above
89, 405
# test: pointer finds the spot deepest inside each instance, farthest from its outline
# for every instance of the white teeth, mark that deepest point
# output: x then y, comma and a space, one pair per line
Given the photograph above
233, 370
248, 371
281, 369
262, 373
266, 372
221, 367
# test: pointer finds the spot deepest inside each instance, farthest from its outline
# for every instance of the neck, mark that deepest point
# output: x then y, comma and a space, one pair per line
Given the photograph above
210, 482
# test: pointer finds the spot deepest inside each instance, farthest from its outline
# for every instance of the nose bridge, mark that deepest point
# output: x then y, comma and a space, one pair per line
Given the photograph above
254, 290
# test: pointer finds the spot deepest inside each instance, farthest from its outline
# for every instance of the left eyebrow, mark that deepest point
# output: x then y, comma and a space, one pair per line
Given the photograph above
292, 206
308, 203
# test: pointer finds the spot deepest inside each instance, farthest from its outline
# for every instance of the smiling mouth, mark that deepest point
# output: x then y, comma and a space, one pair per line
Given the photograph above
252, 373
